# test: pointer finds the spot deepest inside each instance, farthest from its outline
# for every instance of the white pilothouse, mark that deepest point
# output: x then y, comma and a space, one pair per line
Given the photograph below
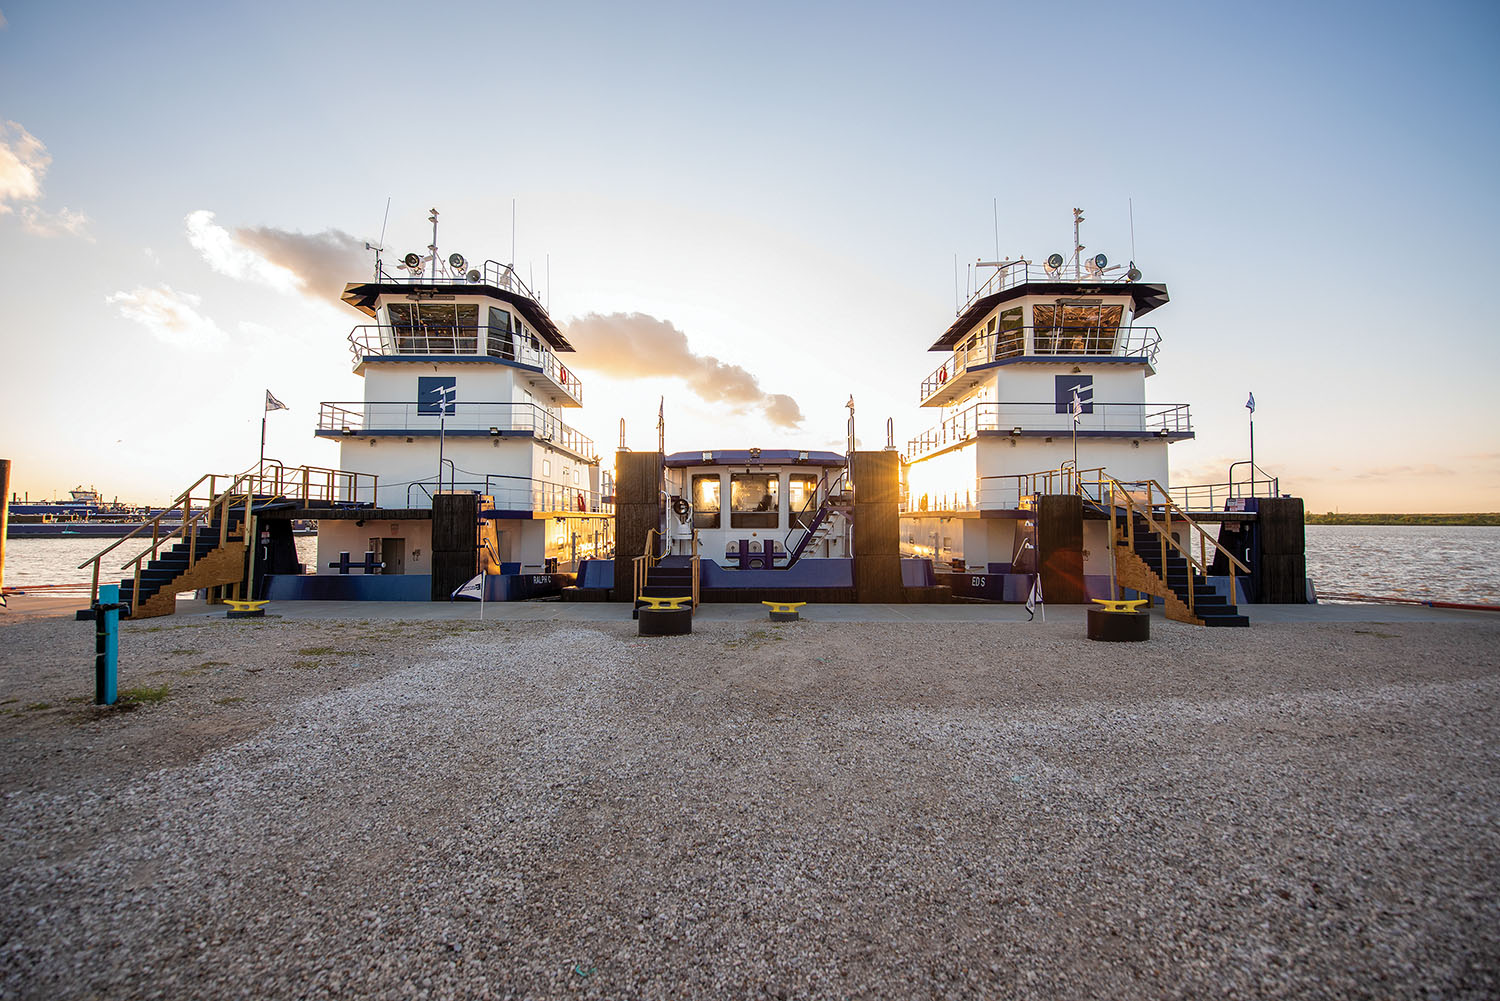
1044, 369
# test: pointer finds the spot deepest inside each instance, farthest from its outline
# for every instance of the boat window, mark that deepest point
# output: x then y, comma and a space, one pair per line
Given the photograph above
706, 500
802, 495
754, 500
1011, 339
434, 328
1076, 328
498, 343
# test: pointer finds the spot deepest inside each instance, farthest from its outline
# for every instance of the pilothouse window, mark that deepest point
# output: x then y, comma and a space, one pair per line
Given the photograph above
706, 501
1075, 328
434, 328
754, 500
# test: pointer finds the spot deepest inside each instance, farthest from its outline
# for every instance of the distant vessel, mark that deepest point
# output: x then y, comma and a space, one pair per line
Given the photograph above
84, 514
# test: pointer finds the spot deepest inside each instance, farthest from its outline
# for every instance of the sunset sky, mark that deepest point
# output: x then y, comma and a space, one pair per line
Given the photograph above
784, 185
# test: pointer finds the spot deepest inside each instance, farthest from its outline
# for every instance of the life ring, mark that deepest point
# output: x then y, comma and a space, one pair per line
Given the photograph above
943, 374
581, 505
563, 373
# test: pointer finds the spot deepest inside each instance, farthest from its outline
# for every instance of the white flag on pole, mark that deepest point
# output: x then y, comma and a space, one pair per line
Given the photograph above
1076, 407
472, 591
1250, 403
1035, 598
272, 403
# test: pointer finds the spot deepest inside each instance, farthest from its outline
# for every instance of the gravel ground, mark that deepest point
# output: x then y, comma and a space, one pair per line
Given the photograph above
383, 809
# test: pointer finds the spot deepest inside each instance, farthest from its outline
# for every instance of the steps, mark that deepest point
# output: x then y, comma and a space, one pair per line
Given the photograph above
1141, 569
667, 582
170, 573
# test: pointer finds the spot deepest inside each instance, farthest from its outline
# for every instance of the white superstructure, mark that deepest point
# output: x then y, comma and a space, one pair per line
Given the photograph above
1031, 341
466, 384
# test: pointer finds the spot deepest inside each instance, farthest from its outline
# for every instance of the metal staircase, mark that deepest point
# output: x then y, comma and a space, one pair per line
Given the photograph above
820, 526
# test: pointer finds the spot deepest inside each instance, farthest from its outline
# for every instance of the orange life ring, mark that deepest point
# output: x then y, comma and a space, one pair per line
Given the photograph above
943, 374
564, 375
581, 505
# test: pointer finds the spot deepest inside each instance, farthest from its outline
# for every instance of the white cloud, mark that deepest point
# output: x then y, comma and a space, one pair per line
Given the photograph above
40, 222
169, 316
23, 163
229, 257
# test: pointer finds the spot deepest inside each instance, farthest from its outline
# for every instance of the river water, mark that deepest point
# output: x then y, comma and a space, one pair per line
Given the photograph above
1435, 563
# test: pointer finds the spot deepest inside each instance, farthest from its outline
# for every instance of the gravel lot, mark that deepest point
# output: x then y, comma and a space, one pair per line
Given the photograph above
391, 809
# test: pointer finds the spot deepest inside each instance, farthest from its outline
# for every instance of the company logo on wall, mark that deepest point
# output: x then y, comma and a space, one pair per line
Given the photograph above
431, 396
1065, 387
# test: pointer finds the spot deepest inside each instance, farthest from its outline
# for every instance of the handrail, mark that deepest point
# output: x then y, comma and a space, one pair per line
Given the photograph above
1022, 271
252, 483
1147, 420
1121, 495
353, 418
824, 489
694, 564
641, 565
384, 340
1117, 340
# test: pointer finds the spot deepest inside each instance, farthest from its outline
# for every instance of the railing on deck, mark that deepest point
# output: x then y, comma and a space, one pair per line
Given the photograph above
1019, 342
198, 506
520, 493
353, 418
1145, 419
1215, 496
1021, 272
484, 341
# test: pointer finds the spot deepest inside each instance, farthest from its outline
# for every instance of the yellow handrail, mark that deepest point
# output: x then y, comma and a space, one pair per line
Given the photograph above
1119, 493
247, 485
695, 565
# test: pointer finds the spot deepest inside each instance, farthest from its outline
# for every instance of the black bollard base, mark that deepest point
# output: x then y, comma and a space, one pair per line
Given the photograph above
664, 622
1119, 627
785, 616
257, 613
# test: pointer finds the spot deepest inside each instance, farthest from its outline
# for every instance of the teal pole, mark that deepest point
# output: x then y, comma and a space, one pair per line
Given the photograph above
107, 645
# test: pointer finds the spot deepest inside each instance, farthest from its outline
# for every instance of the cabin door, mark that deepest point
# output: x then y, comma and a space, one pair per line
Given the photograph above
393, 555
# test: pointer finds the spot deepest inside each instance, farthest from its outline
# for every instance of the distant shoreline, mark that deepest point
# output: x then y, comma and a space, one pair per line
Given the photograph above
1491, 518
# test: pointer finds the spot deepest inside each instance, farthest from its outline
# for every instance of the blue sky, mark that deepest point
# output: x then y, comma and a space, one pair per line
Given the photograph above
785, 184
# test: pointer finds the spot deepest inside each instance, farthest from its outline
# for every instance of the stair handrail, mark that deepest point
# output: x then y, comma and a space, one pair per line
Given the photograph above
1163, 532
245, 485
641, 565
694, 564
185, 499
825, 489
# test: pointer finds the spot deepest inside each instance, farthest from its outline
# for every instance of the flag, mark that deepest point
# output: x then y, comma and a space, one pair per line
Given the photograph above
1076, 407
470, 591
1250, 403
661, 414
1035, 598
272, 403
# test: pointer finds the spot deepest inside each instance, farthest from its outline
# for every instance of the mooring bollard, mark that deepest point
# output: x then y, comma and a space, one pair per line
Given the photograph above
107, 644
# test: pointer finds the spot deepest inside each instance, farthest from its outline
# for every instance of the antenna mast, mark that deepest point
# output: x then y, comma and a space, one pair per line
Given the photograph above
433, 247
1077, 247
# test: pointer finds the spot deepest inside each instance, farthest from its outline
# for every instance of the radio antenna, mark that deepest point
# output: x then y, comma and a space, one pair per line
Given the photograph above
995, 205
1131, 203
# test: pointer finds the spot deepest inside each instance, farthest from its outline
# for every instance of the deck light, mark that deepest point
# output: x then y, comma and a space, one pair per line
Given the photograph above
1015, 431
348, 431
495, 432
1163, 432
